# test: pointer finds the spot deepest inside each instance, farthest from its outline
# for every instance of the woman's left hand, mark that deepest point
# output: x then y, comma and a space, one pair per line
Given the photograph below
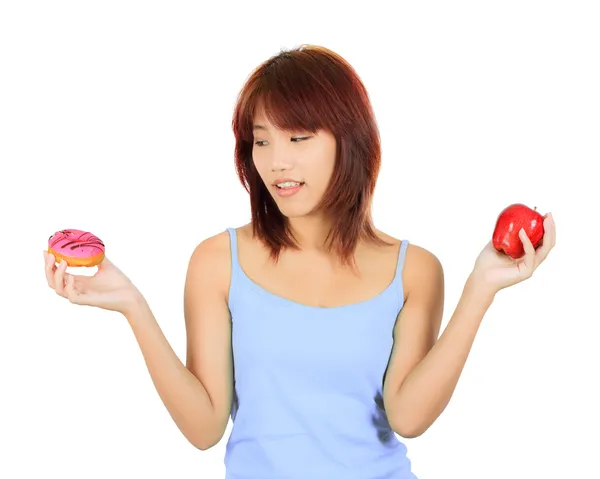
495, 270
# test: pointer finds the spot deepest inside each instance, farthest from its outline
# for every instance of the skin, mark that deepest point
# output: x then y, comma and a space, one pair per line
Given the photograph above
311, 276
423, 370
301, 156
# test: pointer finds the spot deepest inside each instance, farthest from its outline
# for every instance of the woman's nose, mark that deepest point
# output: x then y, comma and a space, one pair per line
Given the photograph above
281, 161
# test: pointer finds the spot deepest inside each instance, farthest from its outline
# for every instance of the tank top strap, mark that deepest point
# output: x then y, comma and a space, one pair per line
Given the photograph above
233, 246
401, 257
235, 265
400, 266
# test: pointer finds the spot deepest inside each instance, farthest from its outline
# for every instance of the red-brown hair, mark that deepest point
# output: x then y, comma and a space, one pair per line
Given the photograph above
310, 88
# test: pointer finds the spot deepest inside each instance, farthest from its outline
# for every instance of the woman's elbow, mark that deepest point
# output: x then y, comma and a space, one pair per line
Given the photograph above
408, 430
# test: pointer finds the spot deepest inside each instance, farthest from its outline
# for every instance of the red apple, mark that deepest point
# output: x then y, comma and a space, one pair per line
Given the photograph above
510, 221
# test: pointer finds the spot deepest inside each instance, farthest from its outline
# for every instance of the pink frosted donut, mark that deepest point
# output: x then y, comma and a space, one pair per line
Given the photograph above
76, 247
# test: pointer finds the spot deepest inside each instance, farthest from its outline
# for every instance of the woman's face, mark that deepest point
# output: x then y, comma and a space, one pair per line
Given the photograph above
302, 159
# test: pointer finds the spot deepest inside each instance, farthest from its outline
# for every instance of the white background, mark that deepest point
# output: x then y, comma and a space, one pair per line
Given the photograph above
115, 118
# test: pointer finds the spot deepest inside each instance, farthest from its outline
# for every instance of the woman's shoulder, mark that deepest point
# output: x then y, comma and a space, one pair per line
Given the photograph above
214, 246
419, 262
217, 248
212, 257
417, 252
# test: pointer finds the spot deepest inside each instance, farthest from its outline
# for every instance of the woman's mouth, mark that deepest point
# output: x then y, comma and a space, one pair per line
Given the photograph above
288, 188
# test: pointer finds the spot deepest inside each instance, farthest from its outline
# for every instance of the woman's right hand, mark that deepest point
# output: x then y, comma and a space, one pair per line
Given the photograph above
108, 288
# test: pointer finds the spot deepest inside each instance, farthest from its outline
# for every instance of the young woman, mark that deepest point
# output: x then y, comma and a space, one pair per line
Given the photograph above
313, 330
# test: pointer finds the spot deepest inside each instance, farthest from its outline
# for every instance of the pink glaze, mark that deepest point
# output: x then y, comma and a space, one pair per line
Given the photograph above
76, 243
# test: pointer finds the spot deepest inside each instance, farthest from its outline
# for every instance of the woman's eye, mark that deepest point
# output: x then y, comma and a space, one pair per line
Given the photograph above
293, 140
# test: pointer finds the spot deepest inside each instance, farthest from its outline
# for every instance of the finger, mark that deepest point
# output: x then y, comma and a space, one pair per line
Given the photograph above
528, 264
548, 241
59, 278
71, 291
50, 268
552, 231
81, 283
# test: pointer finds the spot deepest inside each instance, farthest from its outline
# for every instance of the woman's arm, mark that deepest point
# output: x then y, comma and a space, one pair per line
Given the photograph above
424, 372
198, 397
426, 390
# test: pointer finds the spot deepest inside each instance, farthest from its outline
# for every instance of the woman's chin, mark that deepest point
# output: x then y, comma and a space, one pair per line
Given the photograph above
295, 211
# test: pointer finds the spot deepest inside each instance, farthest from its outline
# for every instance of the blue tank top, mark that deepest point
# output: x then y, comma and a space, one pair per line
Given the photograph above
308, 385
